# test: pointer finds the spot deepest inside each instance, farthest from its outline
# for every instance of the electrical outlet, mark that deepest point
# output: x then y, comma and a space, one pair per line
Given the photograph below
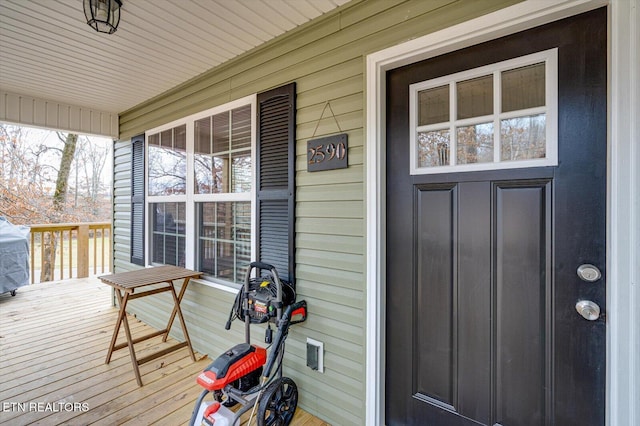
315, 355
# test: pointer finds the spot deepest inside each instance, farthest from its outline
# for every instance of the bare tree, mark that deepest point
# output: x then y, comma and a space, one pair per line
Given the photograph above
24, 176
62, 181
49, 241
90, 161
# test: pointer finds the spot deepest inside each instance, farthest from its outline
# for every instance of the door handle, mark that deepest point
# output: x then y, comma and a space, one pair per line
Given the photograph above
588, 309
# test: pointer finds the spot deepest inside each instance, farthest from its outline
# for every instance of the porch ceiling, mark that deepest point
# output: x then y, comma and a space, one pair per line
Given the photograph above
48, 51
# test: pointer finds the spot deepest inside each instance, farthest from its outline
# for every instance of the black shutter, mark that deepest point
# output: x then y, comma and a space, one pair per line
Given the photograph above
276, 179
137, 200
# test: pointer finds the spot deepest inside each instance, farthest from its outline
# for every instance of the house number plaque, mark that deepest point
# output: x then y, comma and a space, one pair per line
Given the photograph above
327, 153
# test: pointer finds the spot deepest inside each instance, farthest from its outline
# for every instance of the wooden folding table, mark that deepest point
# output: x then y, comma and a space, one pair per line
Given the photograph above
125, 284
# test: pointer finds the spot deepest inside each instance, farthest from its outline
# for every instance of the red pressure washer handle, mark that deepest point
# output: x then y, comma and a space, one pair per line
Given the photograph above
300, 310
283, 330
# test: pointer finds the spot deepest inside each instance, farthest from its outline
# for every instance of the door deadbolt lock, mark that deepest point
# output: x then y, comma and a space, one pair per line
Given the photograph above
588, 309
589, 273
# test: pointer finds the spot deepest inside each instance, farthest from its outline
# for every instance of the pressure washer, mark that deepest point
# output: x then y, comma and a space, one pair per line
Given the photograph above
249, 374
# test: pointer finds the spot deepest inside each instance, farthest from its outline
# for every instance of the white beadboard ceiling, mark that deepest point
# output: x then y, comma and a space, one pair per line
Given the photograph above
48, 51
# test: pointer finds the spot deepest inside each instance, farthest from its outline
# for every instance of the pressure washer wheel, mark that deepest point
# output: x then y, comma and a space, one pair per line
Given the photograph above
278, 403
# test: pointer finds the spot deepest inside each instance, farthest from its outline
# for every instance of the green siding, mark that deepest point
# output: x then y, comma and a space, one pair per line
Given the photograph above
326, 59
122, 206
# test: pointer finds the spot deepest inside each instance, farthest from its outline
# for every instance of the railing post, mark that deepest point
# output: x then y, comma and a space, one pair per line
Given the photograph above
83, 250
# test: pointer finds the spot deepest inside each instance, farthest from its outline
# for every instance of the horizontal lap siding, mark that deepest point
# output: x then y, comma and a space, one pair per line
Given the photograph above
327, 62
122, 206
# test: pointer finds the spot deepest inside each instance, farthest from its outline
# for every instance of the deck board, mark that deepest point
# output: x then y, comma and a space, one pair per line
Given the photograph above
53, 343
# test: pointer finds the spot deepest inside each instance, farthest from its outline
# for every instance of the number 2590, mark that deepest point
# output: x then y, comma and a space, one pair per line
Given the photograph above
320, 153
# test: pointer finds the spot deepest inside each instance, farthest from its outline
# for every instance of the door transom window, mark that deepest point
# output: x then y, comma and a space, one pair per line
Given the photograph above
500, 116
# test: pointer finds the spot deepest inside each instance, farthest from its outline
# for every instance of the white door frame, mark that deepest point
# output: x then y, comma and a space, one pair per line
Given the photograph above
623, 225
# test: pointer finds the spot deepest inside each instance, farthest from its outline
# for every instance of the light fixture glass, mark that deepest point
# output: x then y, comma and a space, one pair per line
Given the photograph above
103, 15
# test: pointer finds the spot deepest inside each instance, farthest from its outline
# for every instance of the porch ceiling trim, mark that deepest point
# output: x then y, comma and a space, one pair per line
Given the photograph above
29, 111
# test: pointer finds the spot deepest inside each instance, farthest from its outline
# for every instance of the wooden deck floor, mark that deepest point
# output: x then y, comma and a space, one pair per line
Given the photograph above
53, 343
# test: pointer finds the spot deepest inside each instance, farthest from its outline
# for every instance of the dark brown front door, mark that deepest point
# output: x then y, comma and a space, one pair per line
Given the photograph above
481, 318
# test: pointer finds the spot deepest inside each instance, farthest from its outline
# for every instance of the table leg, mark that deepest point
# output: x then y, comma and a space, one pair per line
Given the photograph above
122, 319
121, 314
173, 313
177, 309
134, 360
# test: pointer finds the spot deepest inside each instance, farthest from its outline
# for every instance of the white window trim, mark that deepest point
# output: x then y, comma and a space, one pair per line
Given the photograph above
190, 199
548, 57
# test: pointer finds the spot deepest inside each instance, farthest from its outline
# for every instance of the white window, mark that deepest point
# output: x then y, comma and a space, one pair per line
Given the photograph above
498, 116
201, 191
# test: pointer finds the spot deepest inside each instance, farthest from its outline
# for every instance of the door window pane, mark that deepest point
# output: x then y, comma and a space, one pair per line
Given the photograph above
433, 106
433, 148
475, 97
475, 144
523, 138
523, 88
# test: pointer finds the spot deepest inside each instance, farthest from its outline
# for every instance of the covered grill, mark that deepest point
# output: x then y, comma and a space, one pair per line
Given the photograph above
14, 256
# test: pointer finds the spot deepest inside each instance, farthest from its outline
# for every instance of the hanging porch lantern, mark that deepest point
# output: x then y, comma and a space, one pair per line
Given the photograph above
103, 15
